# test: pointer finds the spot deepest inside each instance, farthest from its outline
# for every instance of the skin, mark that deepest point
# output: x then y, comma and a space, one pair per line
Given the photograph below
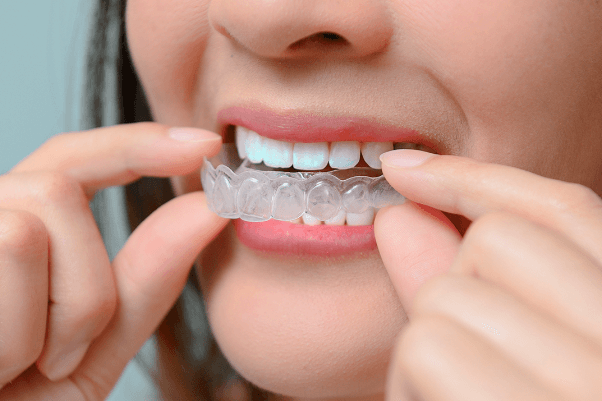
509, 90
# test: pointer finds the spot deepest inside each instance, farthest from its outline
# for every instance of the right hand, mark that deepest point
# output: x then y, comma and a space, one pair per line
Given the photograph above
70, 320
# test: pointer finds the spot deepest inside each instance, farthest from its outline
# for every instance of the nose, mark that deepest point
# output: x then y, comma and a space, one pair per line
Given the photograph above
302, 28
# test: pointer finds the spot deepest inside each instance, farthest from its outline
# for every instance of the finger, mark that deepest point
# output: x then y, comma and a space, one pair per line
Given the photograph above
82, 292
23, 291
81, 295
121, 154
562, 359
150, 271
463, 186
543, 269
439, 360
415, 242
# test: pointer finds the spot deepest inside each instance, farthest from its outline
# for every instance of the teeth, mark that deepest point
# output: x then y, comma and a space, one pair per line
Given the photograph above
351, 219
361, 219
254, 147
372, 150
310, 220
310, 156
315, 155
277, 153
241, 137
342, 218
344, 154
338, 220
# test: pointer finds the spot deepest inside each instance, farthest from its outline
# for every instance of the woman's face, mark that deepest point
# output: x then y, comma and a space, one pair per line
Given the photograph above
515, 82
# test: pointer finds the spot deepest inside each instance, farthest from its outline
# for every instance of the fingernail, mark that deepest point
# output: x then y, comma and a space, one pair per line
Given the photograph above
64, 364
187, 134
405, 158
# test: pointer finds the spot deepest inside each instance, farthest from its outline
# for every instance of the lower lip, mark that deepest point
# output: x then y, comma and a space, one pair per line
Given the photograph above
299, 239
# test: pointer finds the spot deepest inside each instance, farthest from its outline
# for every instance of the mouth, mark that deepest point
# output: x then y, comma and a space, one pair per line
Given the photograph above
295, 142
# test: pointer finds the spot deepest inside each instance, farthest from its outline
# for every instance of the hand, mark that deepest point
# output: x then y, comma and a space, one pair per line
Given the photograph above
63, 305
512, 312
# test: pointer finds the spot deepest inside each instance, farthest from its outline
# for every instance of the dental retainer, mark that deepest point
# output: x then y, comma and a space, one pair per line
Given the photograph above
238, 189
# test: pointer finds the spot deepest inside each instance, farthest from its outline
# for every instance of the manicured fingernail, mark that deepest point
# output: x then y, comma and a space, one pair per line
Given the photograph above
64, 364
187, 134
405, 158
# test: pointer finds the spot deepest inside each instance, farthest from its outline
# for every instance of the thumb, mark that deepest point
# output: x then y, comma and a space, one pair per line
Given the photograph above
416, 242
150, 273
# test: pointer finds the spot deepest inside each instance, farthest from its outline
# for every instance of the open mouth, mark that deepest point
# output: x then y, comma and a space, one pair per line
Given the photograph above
305, 184
344, 159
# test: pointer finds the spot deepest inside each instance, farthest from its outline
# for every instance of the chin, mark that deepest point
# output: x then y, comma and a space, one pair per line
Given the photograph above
301, 326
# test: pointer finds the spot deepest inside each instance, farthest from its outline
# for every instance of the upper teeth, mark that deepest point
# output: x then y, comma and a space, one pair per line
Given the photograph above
310, 156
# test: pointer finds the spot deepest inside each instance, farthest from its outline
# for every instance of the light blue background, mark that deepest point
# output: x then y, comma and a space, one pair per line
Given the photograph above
42, 46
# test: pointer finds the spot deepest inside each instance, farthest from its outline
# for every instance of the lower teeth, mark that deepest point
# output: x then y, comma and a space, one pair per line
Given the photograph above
342, 218
335, 197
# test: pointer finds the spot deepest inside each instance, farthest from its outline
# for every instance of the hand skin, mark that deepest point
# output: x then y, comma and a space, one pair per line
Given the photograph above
71, 320
515, 314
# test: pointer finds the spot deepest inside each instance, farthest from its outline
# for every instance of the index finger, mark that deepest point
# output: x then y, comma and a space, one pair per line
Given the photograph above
464, 186
120, 154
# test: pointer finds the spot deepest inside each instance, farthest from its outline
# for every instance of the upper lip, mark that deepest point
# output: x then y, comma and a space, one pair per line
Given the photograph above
301, 126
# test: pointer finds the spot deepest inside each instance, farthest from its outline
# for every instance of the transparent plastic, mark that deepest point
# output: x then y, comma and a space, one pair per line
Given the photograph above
238, 189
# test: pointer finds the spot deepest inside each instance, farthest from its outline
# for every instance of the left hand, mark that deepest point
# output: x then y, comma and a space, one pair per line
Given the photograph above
513, 311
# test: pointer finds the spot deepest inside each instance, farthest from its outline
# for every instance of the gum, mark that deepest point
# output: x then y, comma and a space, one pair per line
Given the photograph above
234, 191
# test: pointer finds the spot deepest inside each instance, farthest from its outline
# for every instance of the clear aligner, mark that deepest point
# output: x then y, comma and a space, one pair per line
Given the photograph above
259, 195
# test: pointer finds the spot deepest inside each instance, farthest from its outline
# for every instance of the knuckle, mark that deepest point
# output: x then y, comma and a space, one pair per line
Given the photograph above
94, 310
488, 235
576, 199
56, 143
485, 231
105, 306
21, 232
54, 187
56, 140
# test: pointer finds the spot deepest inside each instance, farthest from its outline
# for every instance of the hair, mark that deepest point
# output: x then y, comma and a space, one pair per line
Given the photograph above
190, 364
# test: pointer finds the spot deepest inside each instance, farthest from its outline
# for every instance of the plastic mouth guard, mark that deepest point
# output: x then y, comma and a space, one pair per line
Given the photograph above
238, 189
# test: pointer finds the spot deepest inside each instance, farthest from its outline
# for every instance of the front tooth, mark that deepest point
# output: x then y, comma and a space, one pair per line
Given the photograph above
361, 219
337, 220
344, 154
240, 135
372, 150
277, 154
310, 156
254, 147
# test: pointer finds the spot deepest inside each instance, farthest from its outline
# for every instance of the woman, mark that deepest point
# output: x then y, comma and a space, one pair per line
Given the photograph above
508, 94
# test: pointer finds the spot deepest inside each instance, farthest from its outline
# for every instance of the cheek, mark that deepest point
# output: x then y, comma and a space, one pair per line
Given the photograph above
301, 328
526, 73
167, 39
496, 47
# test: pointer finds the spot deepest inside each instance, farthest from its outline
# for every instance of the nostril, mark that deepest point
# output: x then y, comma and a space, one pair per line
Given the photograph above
321, 38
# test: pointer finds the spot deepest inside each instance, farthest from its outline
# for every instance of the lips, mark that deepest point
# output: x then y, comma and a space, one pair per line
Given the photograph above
300, 127
278, 134
296, 239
